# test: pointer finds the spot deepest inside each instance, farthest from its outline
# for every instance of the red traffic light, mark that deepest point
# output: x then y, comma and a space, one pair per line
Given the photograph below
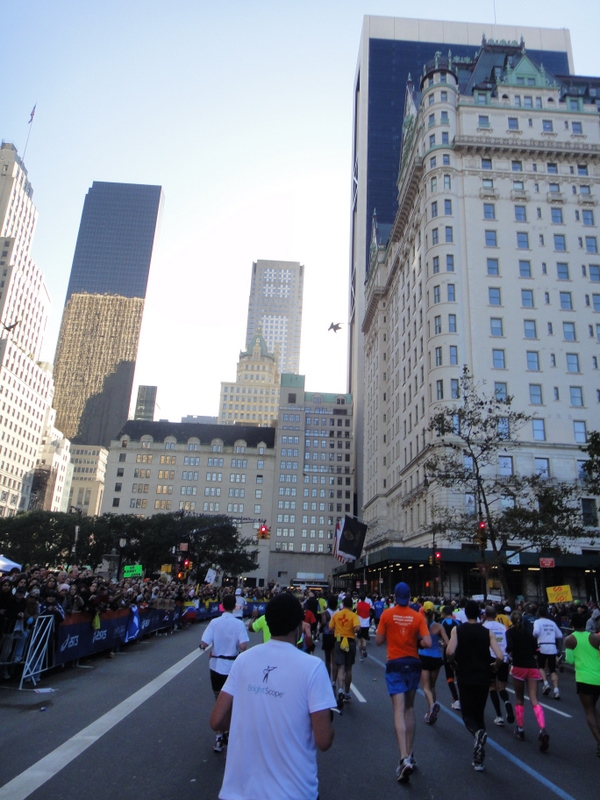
186, 563
438, 555
482, 525
264, 532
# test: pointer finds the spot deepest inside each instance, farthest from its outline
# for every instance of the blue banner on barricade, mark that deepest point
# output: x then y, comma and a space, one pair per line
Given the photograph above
77, 638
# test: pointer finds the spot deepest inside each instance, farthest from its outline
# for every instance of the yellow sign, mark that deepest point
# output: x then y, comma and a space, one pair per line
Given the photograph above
559, 594
166, 568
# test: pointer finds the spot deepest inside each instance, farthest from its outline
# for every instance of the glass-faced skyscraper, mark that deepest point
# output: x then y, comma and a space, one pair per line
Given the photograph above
99, 334
275, 309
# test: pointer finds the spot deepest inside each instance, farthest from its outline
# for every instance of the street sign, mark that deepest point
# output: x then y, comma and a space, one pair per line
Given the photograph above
548, 563
133, 571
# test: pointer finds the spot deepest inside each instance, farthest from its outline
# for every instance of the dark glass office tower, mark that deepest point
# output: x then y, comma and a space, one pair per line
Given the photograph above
99, 335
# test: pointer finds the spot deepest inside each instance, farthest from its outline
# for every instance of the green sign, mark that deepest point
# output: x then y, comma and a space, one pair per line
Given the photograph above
133, 571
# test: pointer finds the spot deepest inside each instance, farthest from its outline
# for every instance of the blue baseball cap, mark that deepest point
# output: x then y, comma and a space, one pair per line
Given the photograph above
402, 592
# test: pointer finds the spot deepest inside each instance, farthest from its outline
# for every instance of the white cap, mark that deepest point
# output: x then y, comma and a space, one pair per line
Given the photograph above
238, 591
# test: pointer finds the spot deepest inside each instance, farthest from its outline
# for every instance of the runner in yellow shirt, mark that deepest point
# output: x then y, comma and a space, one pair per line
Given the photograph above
345, 625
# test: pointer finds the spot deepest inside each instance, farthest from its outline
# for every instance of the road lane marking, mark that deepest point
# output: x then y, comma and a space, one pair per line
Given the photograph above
361, 698
550, 708
39, 773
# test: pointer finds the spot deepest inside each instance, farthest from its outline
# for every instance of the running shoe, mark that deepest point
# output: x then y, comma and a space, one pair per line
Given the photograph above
433, 714
546, 689
427, 718
340, 700
478, 767
456, 705
413, 760
556, 694
219, 744
499, 721
520, 734
543, 739
479, 748
510, 714
404, 770
347, 697
364, 652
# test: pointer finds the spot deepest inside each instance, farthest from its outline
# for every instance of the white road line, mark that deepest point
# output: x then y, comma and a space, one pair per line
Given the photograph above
29, 781
359, 696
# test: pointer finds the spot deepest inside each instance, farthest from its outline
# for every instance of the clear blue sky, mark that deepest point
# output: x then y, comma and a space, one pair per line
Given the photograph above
242, 111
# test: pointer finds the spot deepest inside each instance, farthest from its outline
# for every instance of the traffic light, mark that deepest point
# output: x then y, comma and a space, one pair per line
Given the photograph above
186, 563
437, 556
264, 532
481, 535
431, 559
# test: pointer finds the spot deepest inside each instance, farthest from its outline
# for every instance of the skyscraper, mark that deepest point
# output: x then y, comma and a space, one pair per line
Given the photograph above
99, 334
390, 50
25, 384
275, 310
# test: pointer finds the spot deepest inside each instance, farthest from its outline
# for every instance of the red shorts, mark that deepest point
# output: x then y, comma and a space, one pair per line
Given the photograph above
523, 673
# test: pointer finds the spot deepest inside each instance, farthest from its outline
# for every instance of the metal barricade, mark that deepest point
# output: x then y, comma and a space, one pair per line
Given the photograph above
39, 655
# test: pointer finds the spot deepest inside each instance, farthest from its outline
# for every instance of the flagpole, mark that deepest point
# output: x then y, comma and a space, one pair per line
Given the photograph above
30, 124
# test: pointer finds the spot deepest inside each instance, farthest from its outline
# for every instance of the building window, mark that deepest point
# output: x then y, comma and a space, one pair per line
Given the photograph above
438, 356
454, 388
451, 323
572, 362
489, 211
527, 298
591, 244
547, 126
451, 293
491, 239
522, 240
437, 324
453, 354
576, 395
562, 271
539, 430
589, 511
580, 432
587, 217
556, 215
496, 326
505, 465
552, 168
520, 214
525, 269
448, 208
513, 123
486, 163
500, 390
449, 262
535, 394
494, 296
484, 121
560, 242
436, 294
542, 467
439, 390
529, 329
498, 359
434, 209
435, 236
449, 234
569, 334
533, 361
493, 266
566, 301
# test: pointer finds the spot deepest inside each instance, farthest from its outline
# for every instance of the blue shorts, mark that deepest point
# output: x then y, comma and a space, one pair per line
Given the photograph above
403, 675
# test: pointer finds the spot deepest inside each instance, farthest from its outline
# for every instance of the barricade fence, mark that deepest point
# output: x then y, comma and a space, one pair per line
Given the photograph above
47, 645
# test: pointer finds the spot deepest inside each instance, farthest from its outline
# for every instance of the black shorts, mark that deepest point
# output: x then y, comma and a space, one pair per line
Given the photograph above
593, 689
217, 681
328, 641
542, 658
501, 673
430, 663
363, 633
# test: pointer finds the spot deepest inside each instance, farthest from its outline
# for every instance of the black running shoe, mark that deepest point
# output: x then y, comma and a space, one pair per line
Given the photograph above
404, 770
510, 714
340, 700
544, 740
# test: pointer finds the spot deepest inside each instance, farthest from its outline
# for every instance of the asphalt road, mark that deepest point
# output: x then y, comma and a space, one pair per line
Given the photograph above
136, 726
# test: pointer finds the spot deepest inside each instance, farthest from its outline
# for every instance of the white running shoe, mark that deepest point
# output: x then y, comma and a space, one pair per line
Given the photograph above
456, 705
499, 721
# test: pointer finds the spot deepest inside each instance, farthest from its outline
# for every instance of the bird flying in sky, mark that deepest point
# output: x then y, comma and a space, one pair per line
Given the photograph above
335, 326
10, 327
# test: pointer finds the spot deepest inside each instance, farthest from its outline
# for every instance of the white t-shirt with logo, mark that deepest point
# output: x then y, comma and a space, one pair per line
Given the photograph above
546, 631
224, 633
272, 753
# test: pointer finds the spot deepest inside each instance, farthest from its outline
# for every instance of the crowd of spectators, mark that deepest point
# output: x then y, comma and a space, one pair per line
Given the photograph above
24, 595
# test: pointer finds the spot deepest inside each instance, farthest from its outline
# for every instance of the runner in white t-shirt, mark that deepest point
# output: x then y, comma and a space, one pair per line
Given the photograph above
291, 690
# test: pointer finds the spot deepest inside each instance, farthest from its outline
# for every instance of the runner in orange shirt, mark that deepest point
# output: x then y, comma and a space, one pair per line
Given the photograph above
403, 629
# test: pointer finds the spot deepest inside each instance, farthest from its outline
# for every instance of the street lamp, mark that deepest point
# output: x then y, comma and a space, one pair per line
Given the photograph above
122, 545
78, 511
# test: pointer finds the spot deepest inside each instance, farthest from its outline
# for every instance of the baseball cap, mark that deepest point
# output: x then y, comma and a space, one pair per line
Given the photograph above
238, 591
402, 593
428, 606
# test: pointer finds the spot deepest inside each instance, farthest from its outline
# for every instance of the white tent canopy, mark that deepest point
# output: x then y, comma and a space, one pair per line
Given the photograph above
6, 564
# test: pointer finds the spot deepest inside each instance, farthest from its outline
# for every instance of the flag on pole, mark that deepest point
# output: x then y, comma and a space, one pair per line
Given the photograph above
32, 115
349, 540
336, 541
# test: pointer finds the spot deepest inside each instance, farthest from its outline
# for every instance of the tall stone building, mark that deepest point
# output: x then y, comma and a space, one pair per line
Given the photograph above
99, 334
390, 50
26, 386
492, 262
